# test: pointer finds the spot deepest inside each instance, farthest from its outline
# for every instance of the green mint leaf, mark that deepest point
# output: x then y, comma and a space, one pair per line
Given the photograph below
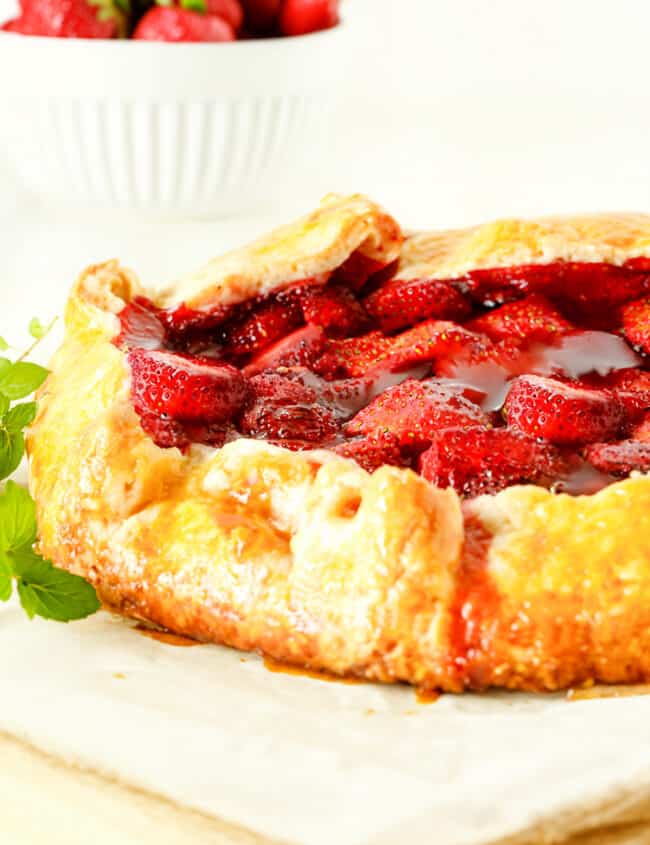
36, 328
53, 593
12, 449
6, 580
19, 417
3, 344
195, 5
17, 518
5, 363
4, 407
21, 379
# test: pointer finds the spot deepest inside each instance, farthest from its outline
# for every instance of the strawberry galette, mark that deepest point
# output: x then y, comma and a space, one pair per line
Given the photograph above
406, 459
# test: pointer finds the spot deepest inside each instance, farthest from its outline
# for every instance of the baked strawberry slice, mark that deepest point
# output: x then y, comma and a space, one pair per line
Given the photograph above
183, 387
588, 293
183, 320
431, 341
641, 431
359, 270
479, 460
562, 413
620, 458
413, 411
298, 349
170, 23
333, 307
498, 285
210, 434
269, 421
261, 328
632, 388
423, 344
140, 326
281, 389
353, 356
636, 323
400, 303
530, 319
164, 431
372, 452
591, 293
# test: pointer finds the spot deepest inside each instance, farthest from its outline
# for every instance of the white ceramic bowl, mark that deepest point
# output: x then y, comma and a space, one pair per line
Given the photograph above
165, 129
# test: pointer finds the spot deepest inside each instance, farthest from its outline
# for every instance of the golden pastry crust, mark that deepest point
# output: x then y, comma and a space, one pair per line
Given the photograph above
317, 243
307, 557
610, 238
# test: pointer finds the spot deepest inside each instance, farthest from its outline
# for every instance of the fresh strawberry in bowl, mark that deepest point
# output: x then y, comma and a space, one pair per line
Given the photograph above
70, 19
212, 125
170, 23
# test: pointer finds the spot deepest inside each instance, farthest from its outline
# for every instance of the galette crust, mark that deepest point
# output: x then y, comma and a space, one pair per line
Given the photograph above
308, 558
610, 238
309, 248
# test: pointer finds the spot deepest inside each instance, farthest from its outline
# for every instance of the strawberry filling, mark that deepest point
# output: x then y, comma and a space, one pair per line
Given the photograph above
532, 374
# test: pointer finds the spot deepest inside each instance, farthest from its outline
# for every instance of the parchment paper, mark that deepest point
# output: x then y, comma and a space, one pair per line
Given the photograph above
305, 761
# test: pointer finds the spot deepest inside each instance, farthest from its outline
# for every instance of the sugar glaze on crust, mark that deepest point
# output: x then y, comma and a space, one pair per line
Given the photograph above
305, 556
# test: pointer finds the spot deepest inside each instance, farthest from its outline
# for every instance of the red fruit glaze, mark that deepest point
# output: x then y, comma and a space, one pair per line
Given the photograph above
401, 303
484, 460
562, 413
529, 319
413, 411
185, 388
299, 17
169, 23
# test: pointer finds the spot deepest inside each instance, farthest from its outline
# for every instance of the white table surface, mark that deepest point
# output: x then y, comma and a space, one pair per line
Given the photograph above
459, 112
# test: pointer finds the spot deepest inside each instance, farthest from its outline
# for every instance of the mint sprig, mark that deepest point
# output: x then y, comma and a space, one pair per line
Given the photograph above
43, 589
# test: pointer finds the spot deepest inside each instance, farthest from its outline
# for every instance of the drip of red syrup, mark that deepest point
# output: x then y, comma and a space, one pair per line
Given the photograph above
474, 607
